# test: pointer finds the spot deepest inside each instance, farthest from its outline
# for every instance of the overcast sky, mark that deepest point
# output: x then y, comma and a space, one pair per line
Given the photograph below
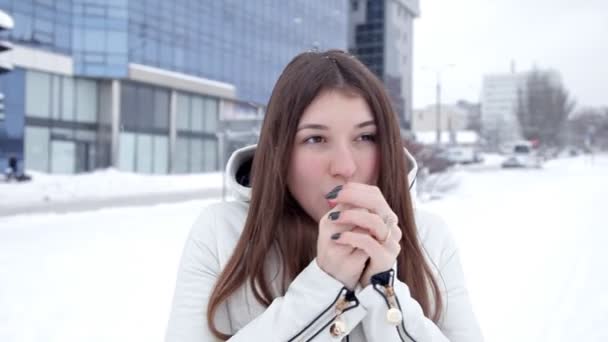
483, 36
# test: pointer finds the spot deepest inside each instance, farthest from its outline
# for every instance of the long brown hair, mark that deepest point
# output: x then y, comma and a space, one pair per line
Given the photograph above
272, 207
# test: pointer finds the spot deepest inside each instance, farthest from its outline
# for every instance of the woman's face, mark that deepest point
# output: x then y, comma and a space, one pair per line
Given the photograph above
335, 143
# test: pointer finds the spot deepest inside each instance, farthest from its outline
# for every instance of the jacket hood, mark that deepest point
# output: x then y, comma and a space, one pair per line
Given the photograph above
239, 168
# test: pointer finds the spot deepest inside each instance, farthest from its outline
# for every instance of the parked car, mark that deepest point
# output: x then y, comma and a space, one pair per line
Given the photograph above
429, 157
463, 155
522, 154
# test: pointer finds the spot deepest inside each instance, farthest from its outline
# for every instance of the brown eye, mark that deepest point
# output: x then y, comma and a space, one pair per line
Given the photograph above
368, 137
314, 139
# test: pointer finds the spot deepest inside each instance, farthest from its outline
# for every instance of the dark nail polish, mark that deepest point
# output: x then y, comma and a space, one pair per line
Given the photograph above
334, 215
335, 236
334, 193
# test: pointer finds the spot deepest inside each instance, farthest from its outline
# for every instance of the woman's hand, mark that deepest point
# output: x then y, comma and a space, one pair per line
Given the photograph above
342, 261
377, 233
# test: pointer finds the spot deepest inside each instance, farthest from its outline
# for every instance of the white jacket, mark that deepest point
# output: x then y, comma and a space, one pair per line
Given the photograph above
306, 311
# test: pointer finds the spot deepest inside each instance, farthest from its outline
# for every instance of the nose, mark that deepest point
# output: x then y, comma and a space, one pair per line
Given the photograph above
343, 163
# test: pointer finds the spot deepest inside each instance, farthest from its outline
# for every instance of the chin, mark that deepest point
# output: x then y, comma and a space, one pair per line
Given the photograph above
317, 213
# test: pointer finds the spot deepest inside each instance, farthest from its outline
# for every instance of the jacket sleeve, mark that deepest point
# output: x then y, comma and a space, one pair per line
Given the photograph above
457, 324
306, 311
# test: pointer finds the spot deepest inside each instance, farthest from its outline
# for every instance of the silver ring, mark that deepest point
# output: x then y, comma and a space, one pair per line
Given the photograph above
389, 221
388, 236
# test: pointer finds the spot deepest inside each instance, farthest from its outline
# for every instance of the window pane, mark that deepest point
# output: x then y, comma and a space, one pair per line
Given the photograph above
38, 90
126, 154
63, 155
144, 153
94, 40
145, 106
62, 37
183, 112
67, 99
128, 106
36, 148
196, 155
55, 98
197, 114
117, 42
210, 155
211, 115
161, 154
86, 100
182, 155
161, 109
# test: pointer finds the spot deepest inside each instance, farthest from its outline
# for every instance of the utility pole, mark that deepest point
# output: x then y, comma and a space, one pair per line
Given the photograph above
438, 99
438, 110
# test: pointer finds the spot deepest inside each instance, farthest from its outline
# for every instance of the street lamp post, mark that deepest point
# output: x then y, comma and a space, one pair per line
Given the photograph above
438, 99
438, 110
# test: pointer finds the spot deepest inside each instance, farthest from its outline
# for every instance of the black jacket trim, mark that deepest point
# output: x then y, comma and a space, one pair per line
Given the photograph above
319, 316
383, 279
349, 294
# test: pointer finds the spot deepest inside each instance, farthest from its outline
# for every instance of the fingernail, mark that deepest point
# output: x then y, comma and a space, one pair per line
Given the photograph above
334, 215
334, 193
335, 236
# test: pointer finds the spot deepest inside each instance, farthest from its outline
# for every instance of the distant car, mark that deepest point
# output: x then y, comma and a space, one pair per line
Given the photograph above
462, 155
429, 157
522, 155
434, 160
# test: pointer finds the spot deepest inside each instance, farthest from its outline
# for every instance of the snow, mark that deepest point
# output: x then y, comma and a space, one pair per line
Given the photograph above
532, 243
106, 275
103, 184
465, 137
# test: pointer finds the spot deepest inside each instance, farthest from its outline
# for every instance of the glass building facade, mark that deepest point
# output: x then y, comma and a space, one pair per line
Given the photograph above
380, 35
146, 85
241, 42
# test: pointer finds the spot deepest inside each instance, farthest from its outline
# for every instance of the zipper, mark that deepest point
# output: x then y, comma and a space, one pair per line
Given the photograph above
383, 284
345, 300
312, 324
344, 297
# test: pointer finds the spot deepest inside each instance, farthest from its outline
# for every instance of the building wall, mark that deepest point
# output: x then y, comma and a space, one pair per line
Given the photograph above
241, 42
400, 16
366, 33
452, 117
380, 35
142, 85
499, 106
60, 123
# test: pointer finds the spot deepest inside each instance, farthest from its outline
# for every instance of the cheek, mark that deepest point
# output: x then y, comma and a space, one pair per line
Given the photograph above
308, 169
369, 166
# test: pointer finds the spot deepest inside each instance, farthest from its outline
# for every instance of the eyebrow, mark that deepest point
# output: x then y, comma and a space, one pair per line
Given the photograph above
323, 127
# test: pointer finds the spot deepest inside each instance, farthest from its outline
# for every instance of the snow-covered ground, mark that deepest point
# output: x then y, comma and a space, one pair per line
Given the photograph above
103, 184
533, 246
105, 275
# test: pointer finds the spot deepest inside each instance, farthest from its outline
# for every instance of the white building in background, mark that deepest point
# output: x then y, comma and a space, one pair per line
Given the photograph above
499, 107
499, 100
453, 118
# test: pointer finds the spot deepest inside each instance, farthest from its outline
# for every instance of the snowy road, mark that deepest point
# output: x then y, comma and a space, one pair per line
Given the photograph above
534, 245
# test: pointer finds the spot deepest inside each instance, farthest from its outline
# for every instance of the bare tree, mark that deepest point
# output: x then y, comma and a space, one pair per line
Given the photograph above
589, 126
543, 108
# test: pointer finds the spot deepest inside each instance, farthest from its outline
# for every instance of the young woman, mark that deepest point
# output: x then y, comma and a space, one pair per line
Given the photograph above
322, 243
